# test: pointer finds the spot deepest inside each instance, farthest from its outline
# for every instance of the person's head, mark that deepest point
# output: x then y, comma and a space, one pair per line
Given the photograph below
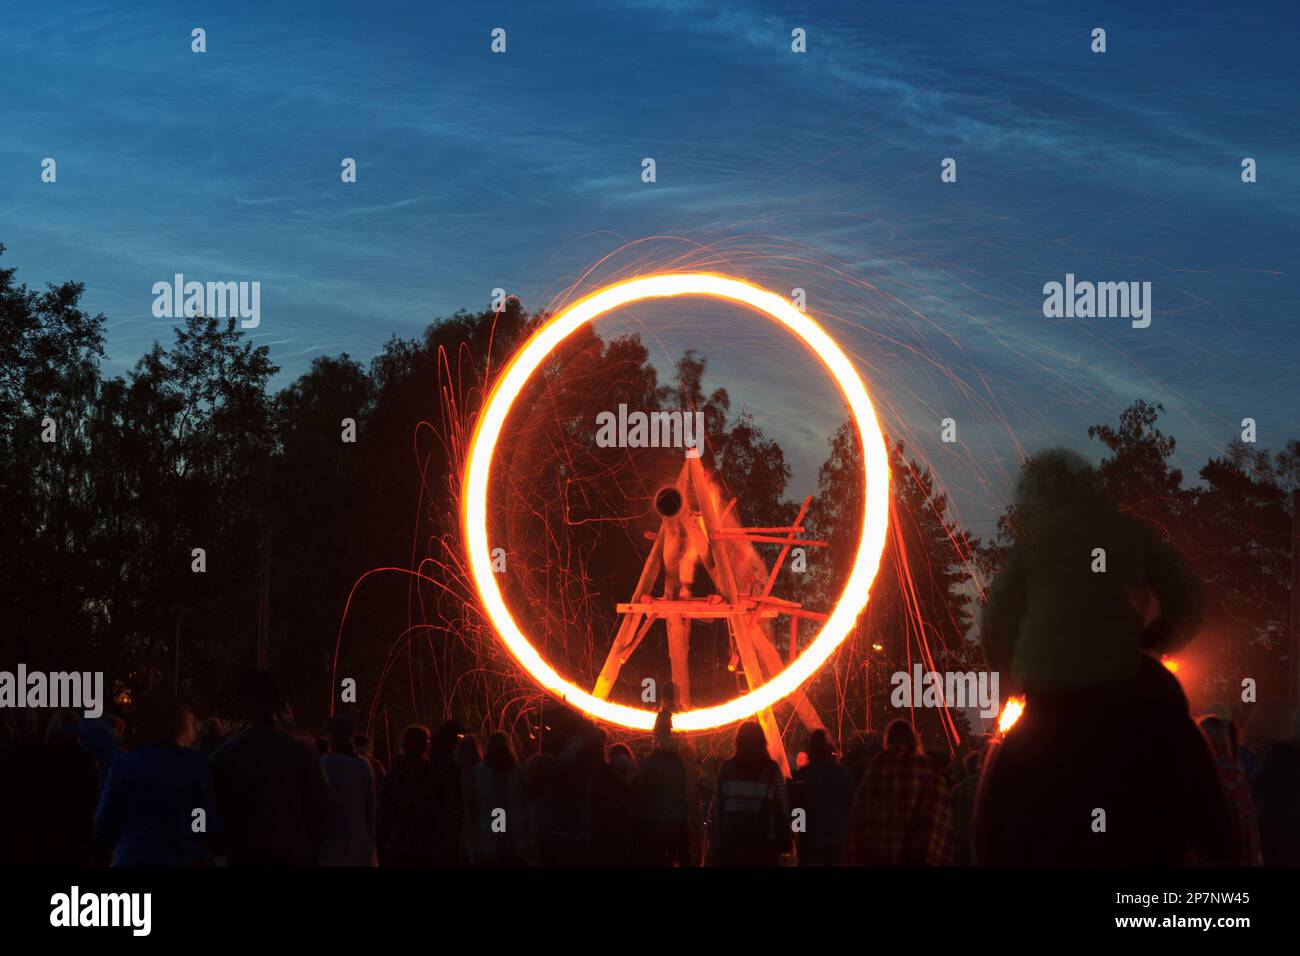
361, 743
467, 754
500, 755
415, 740
259, 697
446, 739
62, 727
900, 736
162, 720
1216, 732
820, 746
340, 729
1055, 479
621, 757
971, 762
751, 745
212, 729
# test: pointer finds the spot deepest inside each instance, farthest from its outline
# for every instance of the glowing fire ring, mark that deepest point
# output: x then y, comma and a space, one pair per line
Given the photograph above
875, 512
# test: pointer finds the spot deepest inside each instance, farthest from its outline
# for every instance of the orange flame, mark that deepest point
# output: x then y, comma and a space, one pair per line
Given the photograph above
1011, 711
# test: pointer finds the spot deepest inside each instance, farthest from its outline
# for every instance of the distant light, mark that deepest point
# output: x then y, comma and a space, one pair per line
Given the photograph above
877, 647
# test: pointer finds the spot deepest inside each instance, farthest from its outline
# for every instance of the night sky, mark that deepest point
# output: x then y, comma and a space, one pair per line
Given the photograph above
819, 170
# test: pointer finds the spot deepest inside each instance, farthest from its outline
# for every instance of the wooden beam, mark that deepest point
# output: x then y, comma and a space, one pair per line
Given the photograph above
625, 639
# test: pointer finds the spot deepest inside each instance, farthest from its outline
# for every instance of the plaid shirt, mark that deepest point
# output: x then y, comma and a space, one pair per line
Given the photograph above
902, 814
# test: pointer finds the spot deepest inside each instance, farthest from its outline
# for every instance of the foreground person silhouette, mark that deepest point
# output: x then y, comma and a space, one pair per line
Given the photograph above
1106, 766
271, 792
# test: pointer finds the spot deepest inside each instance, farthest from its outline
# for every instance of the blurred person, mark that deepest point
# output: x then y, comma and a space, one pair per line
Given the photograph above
902, 813
824, 790
467, 758
749, 821
1236, 791
272, 795
1276, 786
498, 819
147, 808
49, 791
447, 787
351, 840
613, 808
1105, 726
409, 804
663, 837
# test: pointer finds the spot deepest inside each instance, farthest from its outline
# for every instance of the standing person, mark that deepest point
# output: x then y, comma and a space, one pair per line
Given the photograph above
824, 791
497, 816
274, 801
749, 822
613, 797
55, 787
1276, 786
902, 814
446, 778
408, 805
663, 834
146, 811
1105, 766
1236, 791
467, 758
569, 798
351, 841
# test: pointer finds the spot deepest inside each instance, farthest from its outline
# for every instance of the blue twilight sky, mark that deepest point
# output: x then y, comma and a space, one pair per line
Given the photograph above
818, 170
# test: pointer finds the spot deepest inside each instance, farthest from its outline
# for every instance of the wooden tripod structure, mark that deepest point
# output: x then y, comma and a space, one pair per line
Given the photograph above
696, 530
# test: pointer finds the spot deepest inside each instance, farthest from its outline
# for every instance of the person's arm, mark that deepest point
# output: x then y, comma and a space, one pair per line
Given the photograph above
713, 853
370, 801
1207, 823
318, 798
109, 813
981, 821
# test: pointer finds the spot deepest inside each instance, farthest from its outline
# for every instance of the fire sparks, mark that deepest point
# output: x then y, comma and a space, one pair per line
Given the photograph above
1011, 711
875, 498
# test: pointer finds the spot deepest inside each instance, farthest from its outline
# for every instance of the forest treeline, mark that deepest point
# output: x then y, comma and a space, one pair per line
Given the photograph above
108, 484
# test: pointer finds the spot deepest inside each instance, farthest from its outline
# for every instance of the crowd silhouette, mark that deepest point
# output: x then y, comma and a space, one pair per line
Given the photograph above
1107, 765
163, 790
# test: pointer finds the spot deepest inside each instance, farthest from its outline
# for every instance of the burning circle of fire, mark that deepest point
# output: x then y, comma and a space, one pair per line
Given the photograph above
875, 516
